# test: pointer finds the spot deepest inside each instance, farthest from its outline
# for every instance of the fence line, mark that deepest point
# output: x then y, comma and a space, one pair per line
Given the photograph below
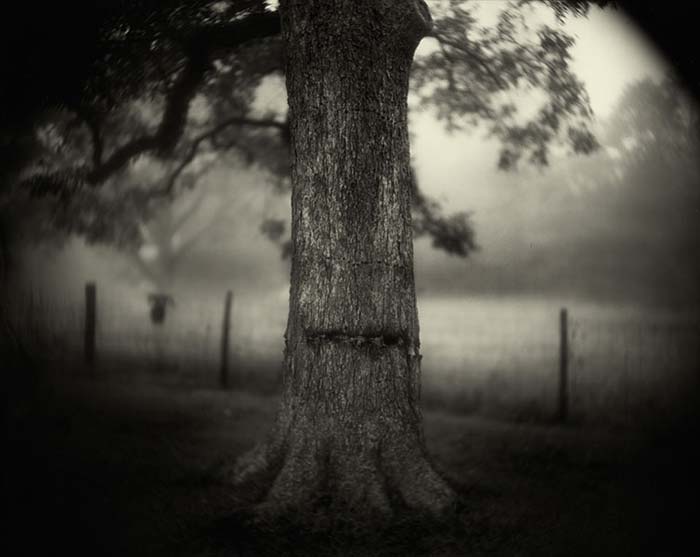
90, 323
563, 365
225, 334
582, 361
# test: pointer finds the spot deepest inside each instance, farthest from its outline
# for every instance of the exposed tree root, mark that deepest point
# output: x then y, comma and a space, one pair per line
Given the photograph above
322, 481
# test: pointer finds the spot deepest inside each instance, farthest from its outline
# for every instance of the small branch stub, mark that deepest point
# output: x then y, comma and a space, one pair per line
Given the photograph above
423, 13
413, 22
405, 23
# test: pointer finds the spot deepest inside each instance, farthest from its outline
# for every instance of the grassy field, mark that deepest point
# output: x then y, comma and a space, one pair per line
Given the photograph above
129, 465
500, 357
495, 357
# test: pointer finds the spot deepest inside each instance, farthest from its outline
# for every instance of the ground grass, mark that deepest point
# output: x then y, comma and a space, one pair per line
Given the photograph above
129, 464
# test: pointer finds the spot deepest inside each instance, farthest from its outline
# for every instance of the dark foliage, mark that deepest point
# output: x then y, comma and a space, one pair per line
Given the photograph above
114, 81
468, 76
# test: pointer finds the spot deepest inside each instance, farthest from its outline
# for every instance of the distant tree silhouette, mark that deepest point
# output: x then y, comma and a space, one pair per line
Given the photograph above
626, 217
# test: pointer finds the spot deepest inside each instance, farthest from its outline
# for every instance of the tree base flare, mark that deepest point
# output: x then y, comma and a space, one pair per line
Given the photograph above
324, 481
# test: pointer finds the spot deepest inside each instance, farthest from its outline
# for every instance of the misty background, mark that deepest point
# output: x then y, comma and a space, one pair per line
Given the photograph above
576, 228
613, 236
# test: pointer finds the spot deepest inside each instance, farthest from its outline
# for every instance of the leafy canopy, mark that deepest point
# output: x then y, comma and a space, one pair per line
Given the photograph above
96, 87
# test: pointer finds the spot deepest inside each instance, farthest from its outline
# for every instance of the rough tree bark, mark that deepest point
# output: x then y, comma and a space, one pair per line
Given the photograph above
349, 430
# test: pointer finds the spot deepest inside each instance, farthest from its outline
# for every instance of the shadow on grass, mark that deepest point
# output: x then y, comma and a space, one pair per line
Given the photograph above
105, 466
244, 534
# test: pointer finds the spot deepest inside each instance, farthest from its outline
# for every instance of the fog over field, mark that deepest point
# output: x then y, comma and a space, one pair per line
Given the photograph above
612, 236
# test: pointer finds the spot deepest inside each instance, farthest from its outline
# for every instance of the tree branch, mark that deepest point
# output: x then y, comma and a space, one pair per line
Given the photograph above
200, 46
92, 121
444, 41
226, 36
193, 207
194, 147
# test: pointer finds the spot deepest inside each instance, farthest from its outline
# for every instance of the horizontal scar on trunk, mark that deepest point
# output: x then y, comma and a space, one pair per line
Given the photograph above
369, 338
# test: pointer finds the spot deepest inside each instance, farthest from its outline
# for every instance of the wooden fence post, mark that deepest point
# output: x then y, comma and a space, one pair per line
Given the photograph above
563, 365
90, 321
225, 333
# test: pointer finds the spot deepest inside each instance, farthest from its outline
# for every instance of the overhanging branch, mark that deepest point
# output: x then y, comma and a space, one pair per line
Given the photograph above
199, 48
194, 147
470, 53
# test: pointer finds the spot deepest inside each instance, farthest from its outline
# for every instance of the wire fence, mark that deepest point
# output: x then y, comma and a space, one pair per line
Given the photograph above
496, 356
502, 356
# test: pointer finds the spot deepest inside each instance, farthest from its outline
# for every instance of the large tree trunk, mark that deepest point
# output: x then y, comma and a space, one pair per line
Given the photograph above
349, 429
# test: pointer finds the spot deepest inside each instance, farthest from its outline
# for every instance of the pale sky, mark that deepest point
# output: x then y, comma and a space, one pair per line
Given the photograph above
611, 52
459, 169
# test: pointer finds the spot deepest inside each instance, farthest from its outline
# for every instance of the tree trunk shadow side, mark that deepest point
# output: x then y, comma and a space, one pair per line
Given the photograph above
348, 442
358, 456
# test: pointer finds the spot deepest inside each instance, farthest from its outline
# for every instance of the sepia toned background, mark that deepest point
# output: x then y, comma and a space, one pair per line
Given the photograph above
611, 236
